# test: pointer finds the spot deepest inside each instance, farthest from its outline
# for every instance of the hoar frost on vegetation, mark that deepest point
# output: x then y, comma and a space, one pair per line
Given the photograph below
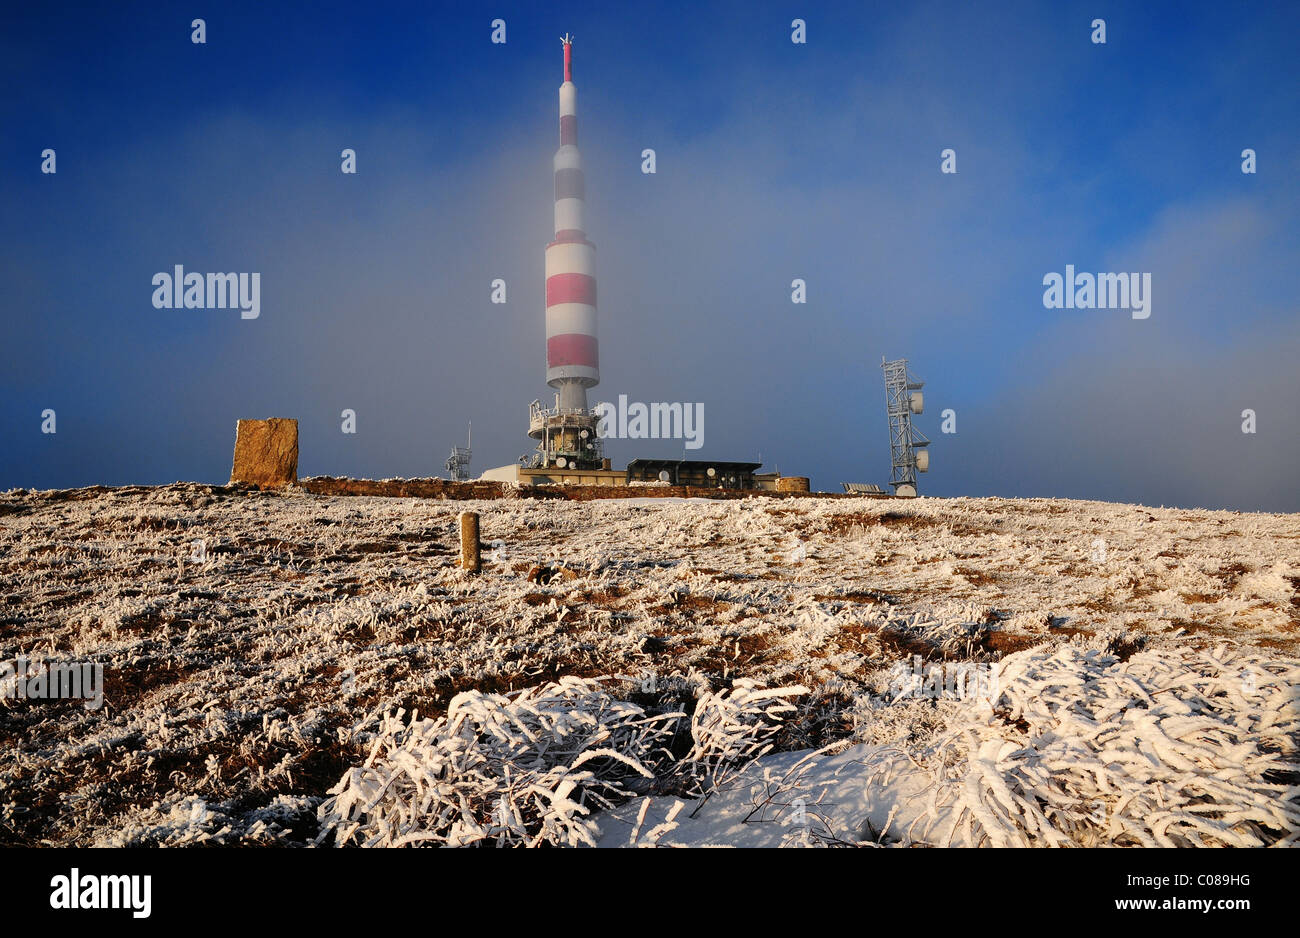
532, 768
245, 679
1172, 748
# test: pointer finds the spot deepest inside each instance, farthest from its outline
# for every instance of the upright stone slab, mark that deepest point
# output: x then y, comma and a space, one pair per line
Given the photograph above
266, 452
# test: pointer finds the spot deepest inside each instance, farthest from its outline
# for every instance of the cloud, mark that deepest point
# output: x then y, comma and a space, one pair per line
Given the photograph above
1109, 407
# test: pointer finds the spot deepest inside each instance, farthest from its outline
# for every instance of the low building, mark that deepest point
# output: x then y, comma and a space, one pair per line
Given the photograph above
697, 473
702, 473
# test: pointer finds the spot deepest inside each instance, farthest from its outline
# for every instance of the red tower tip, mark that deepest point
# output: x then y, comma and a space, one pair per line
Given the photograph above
568, 56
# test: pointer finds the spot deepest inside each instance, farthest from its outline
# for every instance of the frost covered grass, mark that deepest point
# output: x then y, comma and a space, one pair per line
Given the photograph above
1173, 748
246, 680
520, 770
530, 768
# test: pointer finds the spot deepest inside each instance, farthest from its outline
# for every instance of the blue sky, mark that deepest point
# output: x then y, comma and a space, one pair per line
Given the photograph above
775, 161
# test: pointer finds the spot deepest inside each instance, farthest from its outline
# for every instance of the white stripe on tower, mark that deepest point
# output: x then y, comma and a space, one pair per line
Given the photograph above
571, 347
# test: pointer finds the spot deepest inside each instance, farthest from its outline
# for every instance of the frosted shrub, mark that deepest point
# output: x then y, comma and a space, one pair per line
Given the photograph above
732, 728
530, 768
1172, 748
519, 770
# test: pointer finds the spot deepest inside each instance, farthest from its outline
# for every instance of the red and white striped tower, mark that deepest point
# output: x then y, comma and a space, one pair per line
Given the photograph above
571, 364
571, 351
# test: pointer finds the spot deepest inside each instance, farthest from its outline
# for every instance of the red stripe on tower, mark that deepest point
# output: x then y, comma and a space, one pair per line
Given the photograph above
570, 288
572, 349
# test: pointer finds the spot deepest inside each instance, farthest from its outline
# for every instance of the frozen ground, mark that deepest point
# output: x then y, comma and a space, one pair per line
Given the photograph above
241, 686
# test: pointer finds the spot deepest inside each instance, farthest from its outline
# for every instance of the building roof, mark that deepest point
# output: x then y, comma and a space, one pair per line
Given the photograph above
653, 464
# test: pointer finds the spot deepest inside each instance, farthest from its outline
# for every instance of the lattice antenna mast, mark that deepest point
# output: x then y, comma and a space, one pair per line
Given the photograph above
907, 452
457, 463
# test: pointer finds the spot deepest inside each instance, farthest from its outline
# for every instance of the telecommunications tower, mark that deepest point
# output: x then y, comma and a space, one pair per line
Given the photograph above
907, 447
566, 433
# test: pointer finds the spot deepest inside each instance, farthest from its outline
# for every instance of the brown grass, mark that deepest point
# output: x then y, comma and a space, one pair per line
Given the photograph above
974, 576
